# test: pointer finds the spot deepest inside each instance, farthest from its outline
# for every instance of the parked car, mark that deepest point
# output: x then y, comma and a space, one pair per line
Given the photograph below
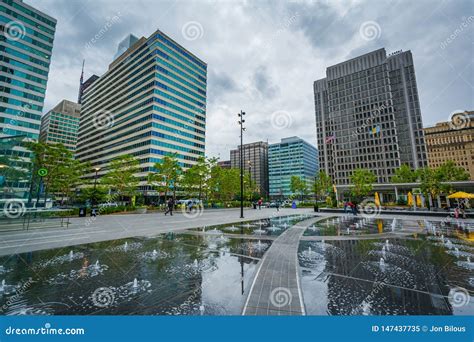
108, 205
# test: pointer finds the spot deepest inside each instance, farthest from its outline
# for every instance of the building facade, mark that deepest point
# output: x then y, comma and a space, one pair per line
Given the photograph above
150, 103
255, 157
291, 157
447, 141
26, 44
225, 164
368, 116
60, 125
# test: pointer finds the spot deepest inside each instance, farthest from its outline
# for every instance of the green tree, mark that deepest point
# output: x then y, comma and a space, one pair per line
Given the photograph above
121, 176
322, 184
195, 178
404, 174
450, 172
98, 195
430, 183
298, 186
63, 171
362, 180
167, 175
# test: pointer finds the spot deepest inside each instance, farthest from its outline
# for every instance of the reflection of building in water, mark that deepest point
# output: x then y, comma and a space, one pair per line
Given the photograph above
352, 287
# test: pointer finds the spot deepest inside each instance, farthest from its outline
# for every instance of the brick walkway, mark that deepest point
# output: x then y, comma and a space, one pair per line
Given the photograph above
275, 289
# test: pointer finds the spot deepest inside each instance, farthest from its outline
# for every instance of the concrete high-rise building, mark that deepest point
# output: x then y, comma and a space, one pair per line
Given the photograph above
447, 141
255, 161
225, 164
291, 157
150, 103
60, 125
26, 44
368, 116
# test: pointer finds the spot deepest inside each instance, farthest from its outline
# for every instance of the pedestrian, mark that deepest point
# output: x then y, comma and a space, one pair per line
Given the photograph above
462, 210
346, 204
260, 201
190, 206
170, 206
277, 205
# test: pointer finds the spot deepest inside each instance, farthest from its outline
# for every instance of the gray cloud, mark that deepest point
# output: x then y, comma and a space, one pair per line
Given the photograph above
263, 56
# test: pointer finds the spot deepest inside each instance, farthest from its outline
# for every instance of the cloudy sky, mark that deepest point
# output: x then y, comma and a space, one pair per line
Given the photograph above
263, 56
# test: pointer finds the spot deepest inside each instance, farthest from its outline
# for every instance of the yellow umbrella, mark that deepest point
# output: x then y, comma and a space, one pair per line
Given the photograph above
377, 199
418, 201
380, 226
461, 194
410, 199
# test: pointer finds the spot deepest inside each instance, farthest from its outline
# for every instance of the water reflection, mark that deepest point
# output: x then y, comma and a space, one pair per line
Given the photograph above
382, 277
172, 274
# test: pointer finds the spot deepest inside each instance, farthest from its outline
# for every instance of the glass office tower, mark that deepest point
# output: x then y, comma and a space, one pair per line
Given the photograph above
291, 157
26, 44
150, 103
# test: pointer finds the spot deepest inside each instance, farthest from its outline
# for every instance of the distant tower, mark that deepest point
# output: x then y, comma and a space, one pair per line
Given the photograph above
81, 88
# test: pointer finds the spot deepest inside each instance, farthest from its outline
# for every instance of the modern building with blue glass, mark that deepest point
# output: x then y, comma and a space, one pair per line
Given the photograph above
26, 43
150, 103
291, 157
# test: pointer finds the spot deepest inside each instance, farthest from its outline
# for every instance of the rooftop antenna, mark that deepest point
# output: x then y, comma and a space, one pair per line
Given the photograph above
81, 81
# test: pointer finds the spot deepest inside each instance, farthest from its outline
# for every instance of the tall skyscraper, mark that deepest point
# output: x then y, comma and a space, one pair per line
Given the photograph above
150, 103
255, 162
291, 157
26, 44
368, 116
60, 124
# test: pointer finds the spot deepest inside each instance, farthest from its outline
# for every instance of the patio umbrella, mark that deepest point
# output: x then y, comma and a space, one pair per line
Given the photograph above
418, 201
377, 199
461, 194
410, 199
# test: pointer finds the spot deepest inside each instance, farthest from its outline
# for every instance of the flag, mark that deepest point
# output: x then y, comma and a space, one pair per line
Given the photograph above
375, 130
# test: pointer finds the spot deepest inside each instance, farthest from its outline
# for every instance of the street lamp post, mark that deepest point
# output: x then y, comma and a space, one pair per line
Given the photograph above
242, 129
250, 179
97, 169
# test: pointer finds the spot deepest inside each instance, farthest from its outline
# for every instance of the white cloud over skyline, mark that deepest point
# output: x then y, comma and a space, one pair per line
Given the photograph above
263, 56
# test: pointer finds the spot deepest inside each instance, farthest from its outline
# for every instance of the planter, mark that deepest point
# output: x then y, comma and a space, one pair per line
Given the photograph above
141, 210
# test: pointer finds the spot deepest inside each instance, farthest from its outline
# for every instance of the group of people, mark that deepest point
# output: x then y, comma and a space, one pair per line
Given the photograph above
460, 210
352, 206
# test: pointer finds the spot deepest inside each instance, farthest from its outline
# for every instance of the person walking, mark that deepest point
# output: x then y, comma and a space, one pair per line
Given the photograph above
277, 205
170, 206
260, 204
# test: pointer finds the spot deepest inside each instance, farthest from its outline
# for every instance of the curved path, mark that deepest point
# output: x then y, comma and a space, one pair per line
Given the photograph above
275, 289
